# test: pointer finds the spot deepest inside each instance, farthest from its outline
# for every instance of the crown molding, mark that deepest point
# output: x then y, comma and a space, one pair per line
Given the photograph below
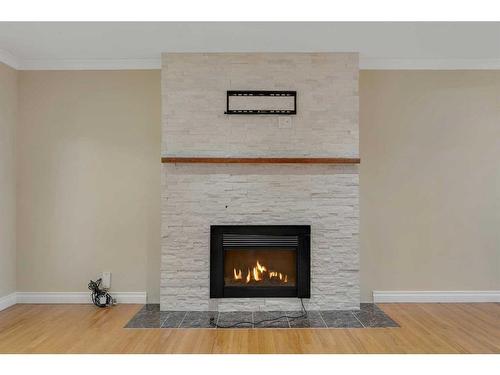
90, 64
9, 59
367, 63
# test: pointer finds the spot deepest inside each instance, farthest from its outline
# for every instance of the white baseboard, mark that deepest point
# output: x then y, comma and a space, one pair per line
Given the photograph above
454, 296
7, 301
77, 297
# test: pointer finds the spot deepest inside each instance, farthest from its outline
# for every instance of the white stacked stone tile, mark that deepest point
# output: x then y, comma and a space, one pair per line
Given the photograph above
194, 99
197, 196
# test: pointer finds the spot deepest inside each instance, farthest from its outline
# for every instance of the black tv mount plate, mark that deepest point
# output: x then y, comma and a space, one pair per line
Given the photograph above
243, 93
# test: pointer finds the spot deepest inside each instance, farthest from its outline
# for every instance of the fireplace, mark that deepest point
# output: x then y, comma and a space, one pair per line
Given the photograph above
260, 261
233, 169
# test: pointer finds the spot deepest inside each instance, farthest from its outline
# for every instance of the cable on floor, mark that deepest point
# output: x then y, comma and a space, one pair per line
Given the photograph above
303, 315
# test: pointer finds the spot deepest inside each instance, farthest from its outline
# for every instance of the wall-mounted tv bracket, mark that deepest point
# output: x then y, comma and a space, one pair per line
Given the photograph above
280, 94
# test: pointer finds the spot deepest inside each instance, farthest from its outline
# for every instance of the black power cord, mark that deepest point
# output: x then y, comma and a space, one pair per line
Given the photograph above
100, 297
303, 315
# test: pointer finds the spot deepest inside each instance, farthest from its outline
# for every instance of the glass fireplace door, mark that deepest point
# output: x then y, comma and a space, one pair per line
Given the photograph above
260, 267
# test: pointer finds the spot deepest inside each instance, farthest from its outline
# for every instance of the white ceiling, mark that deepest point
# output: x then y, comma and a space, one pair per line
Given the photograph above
128, 45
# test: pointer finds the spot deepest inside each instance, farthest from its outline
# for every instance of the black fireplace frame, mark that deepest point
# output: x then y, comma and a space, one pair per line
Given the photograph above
303, 257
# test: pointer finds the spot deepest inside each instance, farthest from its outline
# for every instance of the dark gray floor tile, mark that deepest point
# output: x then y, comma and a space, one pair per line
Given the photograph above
370, 307
270, 319
150, 307
372, 318
146, 320
199, 319
312, 320
340, 319
369, 315
229, 319
173, 319
282, 323
148, 316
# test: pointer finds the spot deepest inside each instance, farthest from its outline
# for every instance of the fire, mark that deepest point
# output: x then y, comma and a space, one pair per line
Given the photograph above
237, 275
261, 268
258, 273
248, 276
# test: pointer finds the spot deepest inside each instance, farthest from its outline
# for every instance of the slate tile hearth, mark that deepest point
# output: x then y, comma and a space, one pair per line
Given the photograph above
173, 319
270, 319
340, 319
199, 319
229, 319
368, 316
312, 320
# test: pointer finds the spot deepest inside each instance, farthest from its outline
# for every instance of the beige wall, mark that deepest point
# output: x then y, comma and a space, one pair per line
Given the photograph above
88, 180
430, 180
8, 120
89, 188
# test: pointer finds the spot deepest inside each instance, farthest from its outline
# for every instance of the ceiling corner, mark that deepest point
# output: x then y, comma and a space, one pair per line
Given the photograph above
9, 59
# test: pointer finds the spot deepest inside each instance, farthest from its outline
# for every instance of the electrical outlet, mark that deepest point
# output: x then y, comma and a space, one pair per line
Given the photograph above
284, 122
106, 280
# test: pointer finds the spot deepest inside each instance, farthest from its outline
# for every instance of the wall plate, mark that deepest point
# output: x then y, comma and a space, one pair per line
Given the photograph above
239, 102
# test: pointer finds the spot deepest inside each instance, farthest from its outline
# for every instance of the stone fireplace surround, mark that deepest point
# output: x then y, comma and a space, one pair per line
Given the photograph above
196, 196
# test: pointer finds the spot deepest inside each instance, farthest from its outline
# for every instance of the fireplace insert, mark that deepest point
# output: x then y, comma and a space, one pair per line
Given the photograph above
260, 261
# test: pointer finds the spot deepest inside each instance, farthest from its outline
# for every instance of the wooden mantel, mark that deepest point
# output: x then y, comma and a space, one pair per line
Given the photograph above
259, 160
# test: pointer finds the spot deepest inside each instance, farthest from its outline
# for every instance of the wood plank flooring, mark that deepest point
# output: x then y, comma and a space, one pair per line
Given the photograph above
425, 328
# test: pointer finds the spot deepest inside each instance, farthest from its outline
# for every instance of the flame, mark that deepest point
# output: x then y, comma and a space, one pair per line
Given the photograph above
237, 275
248, 276
261, 269
256, 273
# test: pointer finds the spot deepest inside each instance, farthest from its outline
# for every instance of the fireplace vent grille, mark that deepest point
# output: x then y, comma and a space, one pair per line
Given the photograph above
231, 240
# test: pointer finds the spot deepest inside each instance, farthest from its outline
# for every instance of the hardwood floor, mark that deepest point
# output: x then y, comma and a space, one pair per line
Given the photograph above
425, 328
